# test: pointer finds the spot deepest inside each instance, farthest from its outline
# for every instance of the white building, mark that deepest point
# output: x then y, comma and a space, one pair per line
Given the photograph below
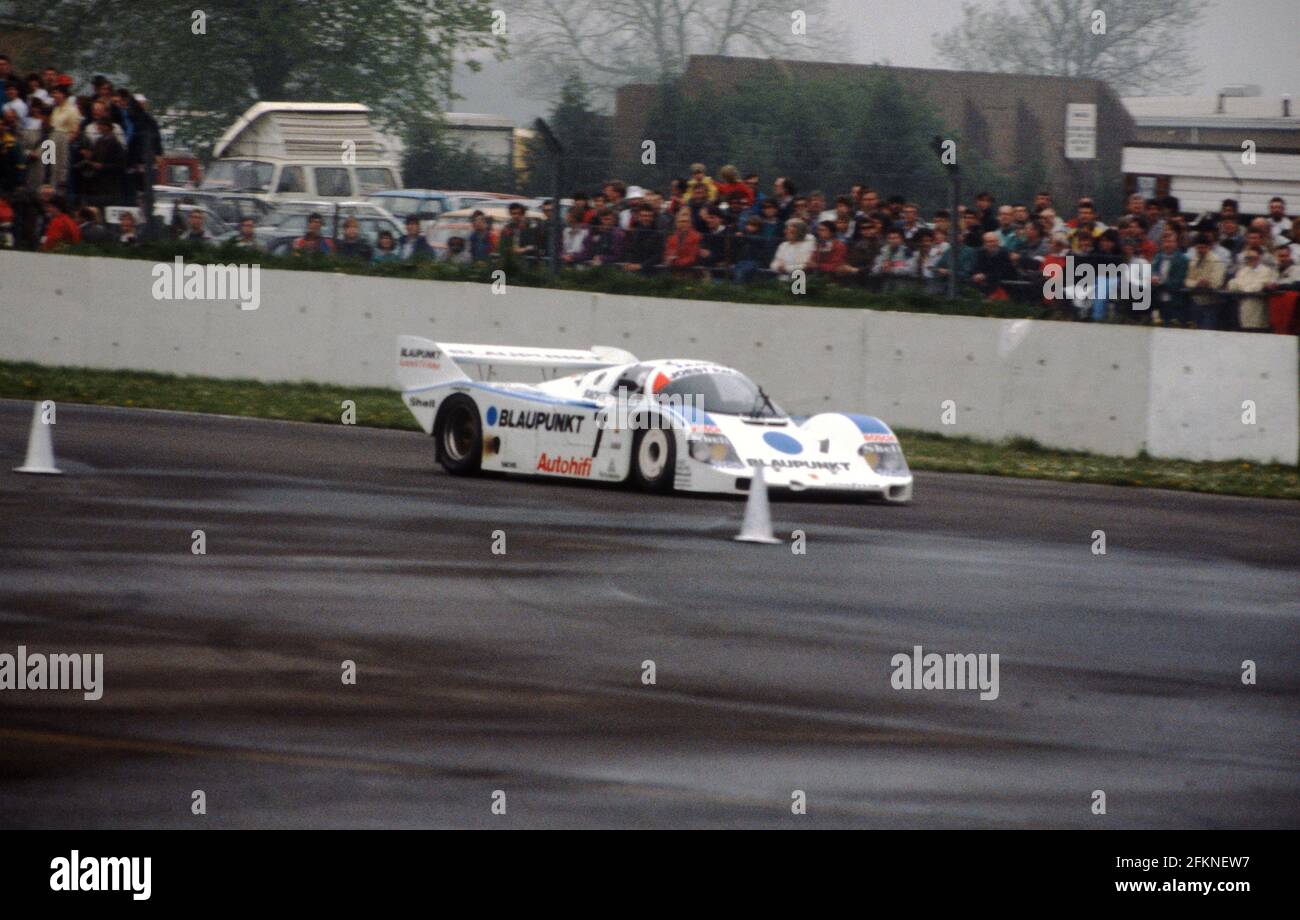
492, 136
1203, 149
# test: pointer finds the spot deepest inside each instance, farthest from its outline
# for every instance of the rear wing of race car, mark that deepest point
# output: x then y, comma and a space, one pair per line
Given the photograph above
423, 365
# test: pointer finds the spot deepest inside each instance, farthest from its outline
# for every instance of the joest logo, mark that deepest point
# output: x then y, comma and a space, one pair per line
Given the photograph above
178, 281
946, 672
37, 671
103, 873
550, 421
566, 466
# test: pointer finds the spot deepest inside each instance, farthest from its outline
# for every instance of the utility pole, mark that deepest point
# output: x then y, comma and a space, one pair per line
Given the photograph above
152, 228
556, 150
955, 228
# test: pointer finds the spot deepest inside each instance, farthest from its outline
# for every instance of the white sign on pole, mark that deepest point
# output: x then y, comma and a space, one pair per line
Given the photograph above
1080, 131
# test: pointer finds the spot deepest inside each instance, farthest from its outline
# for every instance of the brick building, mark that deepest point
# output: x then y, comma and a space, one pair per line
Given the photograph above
26, 43
1011, 119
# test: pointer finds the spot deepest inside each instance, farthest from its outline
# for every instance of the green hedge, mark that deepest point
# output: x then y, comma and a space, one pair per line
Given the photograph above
600, 280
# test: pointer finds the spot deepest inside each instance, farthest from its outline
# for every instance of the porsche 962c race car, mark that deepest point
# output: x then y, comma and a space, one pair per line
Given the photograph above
665, 424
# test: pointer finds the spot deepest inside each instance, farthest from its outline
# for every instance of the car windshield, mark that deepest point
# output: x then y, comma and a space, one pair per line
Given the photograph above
281, 215
724, 392
239, 175
457, 202
233, 210
369, 224
179, 213
374, 179
444, 230
400, 205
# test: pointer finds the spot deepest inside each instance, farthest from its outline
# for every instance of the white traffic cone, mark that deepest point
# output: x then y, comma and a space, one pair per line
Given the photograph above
40, 448
757, 527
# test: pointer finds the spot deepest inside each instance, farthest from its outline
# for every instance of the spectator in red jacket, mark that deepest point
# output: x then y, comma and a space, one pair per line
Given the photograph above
582, 206
732, 187
60, 228
6, 224
682, 248
830, 252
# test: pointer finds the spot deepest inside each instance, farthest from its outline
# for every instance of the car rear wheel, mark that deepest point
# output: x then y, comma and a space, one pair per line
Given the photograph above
654, 459
458, 434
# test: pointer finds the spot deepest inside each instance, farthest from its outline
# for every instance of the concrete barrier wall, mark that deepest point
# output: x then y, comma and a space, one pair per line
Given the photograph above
1108, 389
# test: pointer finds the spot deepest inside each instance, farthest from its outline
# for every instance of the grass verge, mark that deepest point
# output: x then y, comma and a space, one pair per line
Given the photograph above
380, 408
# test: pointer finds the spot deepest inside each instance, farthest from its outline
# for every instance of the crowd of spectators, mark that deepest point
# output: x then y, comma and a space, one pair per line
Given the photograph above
65, 157
1213, 271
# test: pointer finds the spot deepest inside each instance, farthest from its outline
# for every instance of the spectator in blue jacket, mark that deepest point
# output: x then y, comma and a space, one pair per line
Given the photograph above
751, 250
482, 242
414, 247
771, 227
1169, 276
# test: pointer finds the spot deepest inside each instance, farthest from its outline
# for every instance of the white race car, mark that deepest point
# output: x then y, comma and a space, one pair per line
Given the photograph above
666, 424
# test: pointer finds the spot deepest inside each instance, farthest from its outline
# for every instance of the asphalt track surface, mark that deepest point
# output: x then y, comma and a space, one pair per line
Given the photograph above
523, 672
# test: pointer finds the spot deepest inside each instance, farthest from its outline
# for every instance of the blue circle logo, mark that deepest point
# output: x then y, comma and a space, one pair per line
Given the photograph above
783, 442
491, 416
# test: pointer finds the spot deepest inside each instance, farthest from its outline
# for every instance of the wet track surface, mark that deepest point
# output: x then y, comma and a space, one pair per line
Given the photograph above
480, 672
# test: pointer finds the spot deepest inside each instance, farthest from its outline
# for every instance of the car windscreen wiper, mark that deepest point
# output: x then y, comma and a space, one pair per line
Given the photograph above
761, 401
765, 403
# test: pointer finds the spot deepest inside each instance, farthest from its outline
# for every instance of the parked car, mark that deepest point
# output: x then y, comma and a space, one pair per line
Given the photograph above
287, 222
461, 223
426, 203
174, 213
232, 207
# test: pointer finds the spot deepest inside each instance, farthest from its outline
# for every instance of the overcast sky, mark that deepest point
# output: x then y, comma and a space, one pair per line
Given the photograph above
1239, 41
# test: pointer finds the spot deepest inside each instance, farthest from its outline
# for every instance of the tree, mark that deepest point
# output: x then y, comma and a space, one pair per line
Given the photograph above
584, 132
613, 42
206, 63
431, 160
1137, 46
827, 133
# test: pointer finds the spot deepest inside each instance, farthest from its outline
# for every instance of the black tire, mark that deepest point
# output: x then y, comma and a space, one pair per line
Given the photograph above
458, 436
654, 458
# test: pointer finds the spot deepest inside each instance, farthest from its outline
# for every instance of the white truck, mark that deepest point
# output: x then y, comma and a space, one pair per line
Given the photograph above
280, 151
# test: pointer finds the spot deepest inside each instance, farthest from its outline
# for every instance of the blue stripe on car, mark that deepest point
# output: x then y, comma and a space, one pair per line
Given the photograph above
868, 424
474, 384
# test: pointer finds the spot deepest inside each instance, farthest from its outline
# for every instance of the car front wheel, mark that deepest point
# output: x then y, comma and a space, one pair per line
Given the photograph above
654, 460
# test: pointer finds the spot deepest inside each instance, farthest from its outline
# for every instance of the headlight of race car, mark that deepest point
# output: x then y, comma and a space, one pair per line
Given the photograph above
884, 457
713, 448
